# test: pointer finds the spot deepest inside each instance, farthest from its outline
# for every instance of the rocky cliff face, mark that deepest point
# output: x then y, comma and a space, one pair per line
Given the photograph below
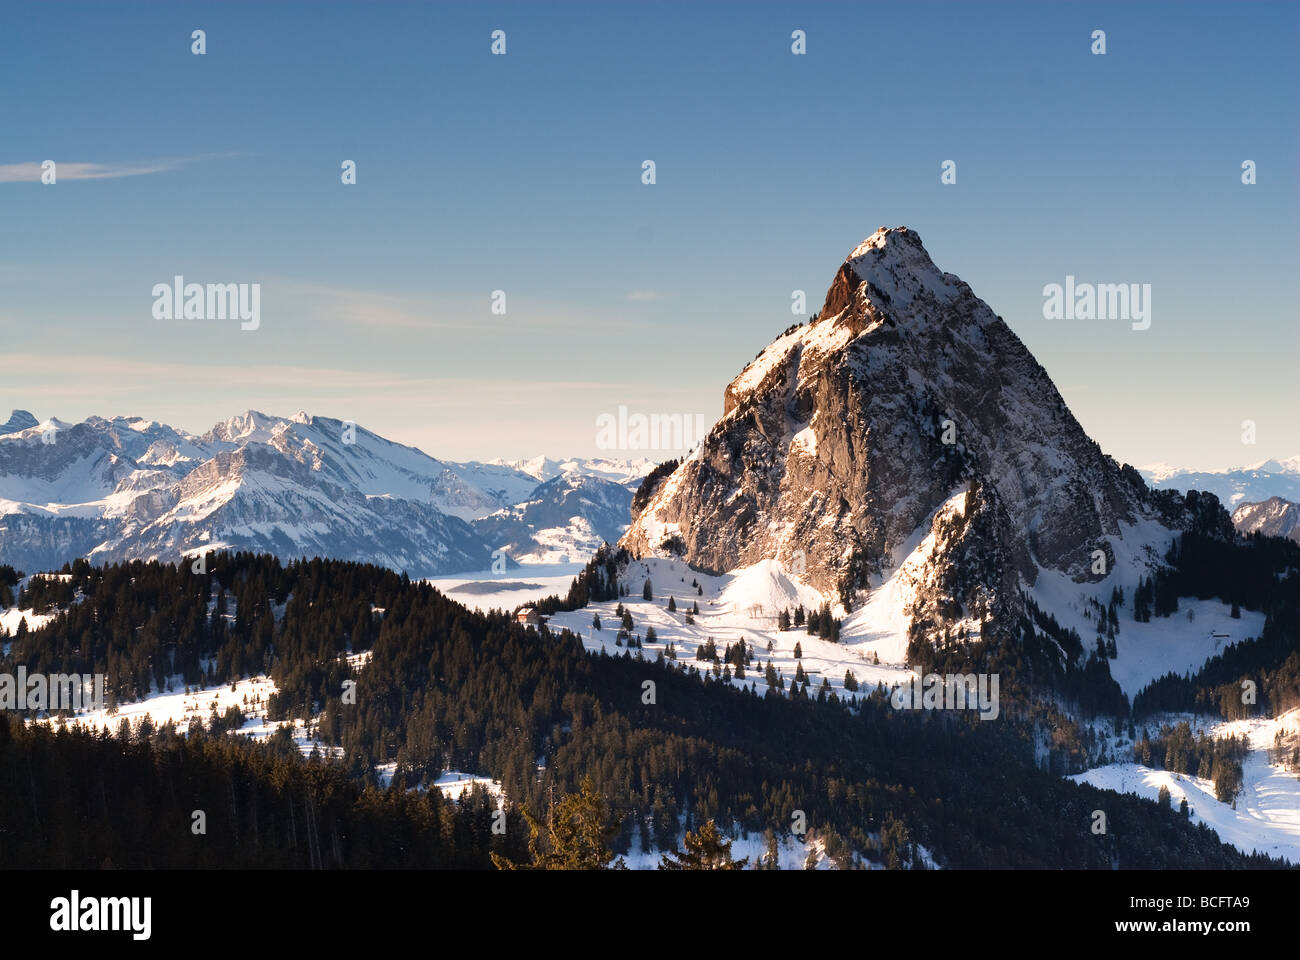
845, 436
1273, 517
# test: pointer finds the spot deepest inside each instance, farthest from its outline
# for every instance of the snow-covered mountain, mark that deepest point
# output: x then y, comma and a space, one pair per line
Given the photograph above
628, 473
127, 488
565, 519
905, 441
1273, 517
1249, 484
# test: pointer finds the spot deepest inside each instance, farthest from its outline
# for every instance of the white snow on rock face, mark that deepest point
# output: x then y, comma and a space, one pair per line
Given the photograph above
880, 626
906, 453
901, 270
1266, 814
1273, 517
845, 433
132, 488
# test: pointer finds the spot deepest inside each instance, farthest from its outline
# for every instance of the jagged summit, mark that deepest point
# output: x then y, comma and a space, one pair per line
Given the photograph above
847, 439
895, 267
18, 420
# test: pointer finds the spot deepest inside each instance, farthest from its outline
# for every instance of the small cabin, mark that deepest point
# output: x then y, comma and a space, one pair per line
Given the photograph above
529, 617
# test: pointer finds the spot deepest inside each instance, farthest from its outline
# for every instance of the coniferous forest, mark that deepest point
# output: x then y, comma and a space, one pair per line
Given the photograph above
447, 688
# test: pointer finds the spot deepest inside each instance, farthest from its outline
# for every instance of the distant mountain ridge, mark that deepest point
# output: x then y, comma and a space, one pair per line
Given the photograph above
1249, 484
1274, 517
132, 488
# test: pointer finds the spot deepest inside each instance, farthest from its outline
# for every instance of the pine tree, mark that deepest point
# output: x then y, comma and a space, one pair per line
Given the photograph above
672, 605
850, 681
706, 849
646, 593
574, 837
595, 621
798, 650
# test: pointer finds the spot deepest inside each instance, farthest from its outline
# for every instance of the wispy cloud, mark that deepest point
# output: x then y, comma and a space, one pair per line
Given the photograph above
71, 170
642, 296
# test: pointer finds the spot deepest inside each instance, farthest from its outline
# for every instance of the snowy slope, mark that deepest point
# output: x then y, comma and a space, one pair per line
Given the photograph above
1266, 815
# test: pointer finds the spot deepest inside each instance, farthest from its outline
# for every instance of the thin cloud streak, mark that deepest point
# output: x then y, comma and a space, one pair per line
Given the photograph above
72, 170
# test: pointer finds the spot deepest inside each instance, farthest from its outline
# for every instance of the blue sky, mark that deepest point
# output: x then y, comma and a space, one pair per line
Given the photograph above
522, 173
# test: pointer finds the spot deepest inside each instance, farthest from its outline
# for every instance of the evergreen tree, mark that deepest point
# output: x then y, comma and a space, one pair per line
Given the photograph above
672, 605
646, 593
575, 835
706, 849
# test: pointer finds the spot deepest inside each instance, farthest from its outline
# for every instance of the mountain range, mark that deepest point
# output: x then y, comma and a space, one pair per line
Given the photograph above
130, 488
1250, 484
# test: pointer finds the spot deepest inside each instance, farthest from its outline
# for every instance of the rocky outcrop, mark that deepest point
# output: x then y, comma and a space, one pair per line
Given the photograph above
847, 433
1274, 517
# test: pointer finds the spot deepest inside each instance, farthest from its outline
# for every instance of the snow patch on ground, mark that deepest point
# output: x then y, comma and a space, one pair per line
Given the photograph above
1266, 815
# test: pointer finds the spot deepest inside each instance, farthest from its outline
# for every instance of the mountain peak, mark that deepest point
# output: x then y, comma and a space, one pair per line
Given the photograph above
886, 237
895, 268
18, 420
847, 438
